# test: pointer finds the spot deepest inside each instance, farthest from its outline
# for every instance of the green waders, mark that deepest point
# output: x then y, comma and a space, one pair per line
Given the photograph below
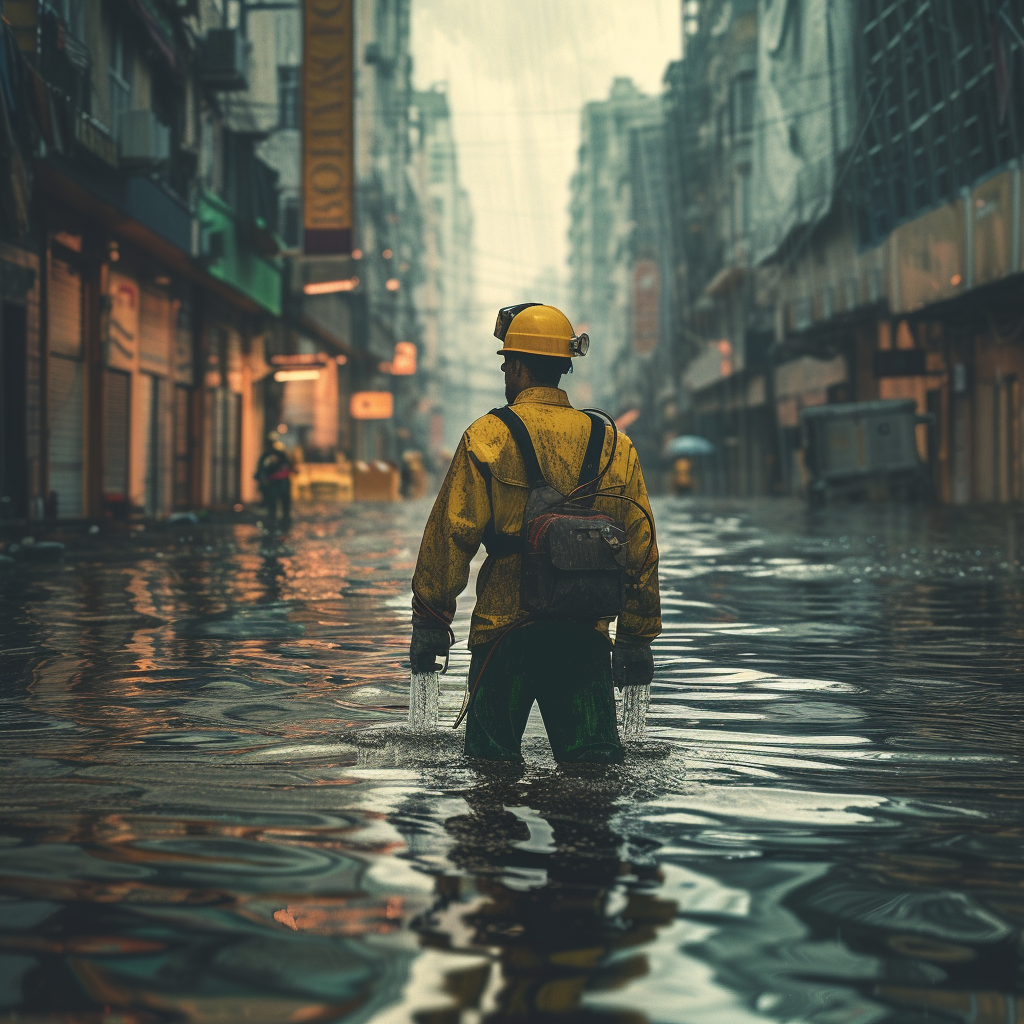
566, 669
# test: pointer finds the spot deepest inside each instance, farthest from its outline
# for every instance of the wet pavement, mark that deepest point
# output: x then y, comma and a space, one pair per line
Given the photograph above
209, 811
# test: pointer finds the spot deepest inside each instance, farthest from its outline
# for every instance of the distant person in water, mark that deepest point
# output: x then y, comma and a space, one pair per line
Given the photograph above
274, 476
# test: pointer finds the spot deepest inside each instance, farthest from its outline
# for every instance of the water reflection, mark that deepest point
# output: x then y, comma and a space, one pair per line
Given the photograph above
544, 894
196, 823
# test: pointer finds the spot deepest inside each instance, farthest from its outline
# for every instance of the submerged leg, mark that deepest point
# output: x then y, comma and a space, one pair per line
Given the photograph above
576, 696
501, 705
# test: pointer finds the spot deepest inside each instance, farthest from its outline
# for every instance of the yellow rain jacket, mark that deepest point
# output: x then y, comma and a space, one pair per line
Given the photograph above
487, 474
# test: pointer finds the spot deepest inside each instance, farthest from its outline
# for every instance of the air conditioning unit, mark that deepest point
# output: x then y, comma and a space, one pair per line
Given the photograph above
142, 139
225, 60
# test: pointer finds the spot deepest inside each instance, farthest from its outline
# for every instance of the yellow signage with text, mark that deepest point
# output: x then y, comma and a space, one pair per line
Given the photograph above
372, 405
328, 168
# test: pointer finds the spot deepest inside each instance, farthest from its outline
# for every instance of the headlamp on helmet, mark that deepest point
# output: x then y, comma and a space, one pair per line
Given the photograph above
505, 317
532, 328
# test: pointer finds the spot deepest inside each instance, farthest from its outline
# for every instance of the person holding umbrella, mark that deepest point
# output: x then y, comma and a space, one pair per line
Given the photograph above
683, 450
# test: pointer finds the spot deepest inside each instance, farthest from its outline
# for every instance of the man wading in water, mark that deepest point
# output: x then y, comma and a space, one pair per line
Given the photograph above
558, 499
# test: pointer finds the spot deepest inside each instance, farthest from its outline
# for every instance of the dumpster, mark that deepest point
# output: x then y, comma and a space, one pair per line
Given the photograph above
863, 449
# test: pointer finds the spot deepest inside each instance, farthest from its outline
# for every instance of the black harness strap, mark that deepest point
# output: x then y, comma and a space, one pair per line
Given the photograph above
499, 544
591, 462
523, 441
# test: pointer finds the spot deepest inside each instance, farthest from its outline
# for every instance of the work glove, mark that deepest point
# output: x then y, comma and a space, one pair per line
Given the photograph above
632, 661
427, 645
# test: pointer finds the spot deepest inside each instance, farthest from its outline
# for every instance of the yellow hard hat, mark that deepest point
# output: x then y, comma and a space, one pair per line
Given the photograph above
538, 330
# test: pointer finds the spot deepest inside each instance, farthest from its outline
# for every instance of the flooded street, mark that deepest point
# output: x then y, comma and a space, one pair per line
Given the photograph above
209, 812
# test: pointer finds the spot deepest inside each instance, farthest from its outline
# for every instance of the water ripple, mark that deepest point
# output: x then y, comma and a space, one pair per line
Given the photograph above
212, 811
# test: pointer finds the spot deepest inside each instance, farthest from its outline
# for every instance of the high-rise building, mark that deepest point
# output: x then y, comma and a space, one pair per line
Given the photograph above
600, 230
445, 294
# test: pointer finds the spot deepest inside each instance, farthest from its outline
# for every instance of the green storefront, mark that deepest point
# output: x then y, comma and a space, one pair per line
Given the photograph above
231, 253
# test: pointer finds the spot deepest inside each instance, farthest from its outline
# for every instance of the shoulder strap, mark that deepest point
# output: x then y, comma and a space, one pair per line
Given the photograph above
521, 437
591, 461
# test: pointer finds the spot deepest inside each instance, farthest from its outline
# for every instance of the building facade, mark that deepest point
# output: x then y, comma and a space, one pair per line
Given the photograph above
842, 231
600, 234
905, 281
150, 267
140, 286
446, 295
723, 316
353, 311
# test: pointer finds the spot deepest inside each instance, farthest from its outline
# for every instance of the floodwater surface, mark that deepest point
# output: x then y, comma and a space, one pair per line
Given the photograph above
209, 810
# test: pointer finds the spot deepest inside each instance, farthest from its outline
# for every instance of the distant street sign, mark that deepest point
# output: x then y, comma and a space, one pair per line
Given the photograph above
403, 364
293, 359
372, 405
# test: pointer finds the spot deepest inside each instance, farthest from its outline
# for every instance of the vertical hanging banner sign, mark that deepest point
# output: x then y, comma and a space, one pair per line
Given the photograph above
328, 168
645, 307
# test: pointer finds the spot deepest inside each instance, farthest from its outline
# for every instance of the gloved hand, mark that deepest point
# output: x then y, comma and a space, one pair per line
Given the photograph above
632, 661
427, 645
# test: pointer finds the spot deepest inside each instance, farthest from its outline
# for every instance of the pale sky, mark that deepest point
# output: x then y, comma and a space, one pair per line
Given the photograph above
518, 73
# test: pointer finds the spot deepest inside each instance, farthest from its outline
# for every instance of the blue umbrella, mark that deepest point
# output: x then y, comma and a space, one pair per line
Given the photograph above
689, 444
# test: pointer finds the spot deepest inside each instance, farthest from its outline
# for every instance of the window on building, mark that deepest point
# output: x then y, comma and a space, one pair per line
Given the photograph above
288, 97
291, 222
436, 167
939, 130
119, 76
741, 202
743, 88
73, 13
208, 153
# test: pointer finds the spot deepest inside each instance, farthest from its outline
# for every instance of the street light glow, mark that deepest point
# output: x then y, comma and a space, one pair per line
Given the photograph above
345, 284
285, 375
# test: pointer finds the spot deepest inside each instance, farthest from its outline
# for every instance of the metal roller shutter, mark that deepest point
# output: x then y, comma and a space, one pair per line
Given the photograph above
182, 446
64, 309
227, 413
156, 443
116, 390
66, 435
156, 330
65, 394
